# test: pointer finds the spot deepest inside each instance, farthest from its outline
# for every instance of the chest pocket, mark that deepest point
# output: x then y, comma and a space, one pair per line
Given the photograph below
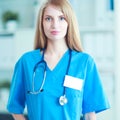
75, 98
74, 93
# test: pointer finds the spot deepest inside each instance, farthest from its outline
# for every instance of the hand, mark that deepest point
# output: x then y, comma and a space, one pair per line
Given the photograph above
18, 117
90, 116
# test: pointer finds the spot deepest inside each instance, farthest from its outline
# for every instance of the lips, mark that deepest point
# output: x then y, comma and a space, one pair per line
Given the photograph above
54, 32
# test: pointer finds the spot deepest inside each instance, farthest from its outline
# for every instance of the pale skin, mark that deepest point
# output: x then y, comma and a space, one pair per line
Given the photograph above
55, 28
88, 116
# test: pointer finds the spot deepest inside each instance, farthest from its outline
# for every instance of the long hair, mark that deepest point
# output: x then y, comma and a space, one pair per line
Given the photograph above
73, 35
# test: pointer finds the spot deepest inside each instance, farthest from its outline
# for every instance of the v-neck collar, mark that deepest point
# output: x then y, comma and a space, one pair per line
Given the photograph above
59, 64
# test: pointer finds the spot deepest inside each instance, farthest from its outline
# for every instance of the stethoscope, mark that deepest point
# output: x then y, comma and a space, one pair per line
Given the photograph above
62, 99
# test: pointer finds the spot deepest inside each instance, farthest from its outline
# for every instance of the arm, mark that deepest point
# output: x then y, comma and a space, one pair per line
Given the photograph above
17, 99
18, 117
90, 116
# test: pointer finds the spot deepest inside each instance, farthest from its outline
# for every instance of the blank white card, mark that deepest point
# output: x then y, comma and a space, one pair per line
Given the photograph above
73, 82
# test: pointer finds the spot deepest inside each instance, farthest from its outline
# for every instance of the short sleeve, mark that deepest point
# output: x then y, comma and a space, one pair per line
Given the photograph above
16, 101
94, 97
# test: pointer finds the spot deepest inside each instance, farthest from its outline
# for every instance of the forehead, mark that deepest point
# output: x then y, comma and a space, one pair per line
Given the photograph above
52, 10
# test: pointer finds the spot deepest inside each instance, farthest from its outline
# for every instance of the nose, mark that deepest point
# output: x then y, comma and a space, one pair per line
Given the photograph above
55, 23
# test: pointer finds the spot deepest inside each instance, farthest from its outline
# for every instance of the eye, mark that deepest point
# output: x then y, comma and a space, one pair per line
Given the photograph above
48, 18
62, 18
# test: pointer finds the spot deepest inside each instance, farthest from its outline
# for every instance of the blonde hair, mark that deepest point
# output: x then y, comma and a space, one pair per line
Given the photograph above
72, 37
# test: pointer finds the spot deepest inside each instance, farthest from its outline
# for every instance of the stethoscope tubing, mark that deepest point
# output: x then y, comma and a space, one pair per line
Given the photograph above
34, 73
62, 100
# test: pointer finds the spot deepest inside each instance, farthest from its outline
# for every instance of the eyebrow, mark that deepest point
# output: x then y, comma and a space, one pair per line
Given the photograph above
52, 16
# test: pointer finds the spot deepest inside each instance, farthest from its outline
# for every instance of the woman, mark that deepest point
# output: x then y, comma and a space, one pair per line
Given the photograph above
57, 80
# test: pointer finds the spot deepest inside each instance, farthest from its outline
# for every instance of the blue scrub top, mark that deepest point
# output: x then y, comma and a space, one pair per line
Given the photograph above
45, 105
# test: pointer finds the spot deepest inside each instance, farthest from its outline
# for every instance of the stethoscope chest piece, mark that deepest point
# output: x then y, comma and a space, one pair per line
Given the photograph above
63, 100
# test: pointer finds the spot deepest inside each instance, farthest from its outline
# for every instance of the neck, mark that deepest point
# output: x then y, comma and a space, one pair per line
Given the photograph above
56, 48
54, 53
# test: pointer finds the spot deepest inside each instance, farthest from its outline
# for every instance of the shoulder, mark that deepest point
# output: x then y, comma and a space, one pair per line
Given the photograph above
31, 53
82, 56
84, 60
30, 56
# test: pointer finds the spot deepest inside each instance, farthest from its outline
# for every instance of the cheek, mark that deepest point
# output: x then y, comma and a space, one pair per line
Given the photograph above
65, 27
45, 28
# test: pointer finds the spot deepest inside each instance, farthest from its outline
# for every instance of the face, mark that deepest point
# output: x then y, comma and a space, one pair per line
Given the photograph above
54, 23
